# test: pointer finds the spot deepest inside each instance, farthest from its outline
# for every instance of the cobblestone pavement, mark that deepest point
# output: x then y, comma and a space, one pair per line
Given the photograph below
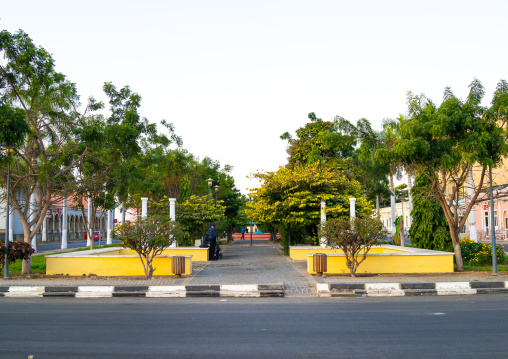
263, 263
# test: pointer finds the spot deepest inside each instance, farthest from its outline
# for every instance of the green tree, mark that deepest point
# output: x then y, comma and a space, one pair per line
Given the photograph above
194, 215
112, 144
44, 163
292, 197
429, 229
444, 142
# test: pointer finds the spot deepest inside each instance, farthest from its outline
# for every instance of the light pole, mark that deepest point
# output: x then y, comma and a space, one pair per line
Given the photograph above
210, 182
250, 200
216, 189
8, 151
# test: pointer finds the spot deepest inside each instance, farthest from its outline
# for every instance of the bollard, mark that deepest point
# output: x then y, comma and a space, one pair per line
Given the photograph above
320, 263
178, 265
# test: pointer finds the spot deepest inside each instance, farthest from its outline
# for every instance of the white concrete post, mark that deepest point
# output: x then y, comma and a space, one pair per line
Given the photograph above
109, 240
144, 207
11, 226
352, 208
378, 212
472, 214
33, 207
394, 214
172, 215
402, 224
44, 229
323, 239
65, 229
89, 229
409, 186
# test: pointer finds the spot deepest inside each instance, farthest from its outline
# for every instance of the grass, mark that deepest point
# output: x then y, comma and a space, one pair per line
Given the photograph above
39, 262
500, 268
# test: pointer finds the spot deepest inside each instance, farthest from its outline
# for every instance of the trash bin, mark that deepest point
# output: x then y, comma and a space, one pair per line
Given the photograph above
320, 263
178, 265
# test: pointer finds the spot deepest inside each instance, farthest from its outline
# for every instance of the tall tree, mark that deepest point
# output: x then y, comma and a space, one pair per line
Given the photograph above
293, 196
44, 162
444, 142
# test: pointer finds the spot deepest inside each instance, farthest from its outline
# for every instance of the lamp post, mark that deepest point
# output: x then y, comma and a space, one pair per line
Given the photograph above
250, 200
210, 182
216, 189
8, 151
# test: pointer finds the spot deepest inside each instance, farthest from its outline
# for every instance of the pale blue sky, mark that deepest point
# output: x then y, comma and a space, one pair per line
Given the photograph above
234, 75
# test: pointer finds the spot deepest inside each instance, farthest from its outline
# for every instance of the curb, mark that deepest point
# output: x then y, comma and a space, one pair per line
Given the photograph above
175, 291
409, 289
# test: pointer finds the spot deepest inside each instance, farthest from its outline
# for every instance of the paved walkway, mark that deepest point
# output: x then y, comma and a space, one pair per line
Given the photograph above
262, 263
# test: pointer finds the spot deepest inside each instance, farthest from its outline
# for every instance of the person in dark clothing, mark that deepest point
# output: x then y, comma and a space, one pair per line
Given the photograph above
212, 235
243, 232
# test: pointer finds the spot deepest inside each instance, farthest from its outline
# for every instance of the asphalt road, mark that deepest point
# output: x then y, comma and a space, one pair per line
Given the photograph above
425, 327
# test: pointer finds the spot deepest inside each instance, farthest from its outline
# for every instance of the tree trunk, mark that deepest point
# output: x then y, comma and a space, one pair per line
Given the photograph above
456, 249
26, 265
392, 204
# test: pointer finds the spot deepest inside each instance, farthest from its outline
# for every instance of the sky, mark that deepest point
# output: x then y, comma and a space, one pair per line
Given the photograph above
233, 76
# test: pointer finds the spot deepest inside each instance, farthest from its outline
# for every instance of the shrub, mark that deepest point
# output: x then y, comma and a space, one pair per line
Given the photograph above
148, 237
17, 250
477, 253
353, 236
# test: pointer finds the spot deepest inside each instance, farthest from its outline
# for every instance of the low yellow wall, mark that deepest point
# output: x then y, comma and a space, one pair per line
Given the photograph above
198, 254
110, 265
300, 253
386, 263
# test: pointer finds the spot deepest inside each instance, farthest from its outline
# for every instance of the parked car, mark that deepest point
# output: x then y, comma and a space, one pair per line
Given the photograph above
97, 235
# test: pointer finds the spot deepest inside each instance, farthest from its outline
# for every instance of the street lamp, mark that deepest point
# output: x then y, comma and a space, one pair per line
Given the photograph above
210, 182
8, 150
216, 189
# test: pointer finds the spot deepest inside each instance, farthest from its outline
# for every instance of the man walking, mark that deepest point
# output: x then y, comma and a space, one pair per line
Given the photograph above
243, 232
212, 235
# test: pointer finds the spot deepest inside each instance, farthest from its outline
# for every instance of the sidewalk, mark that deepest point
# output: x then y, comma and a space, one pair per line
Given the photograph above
260, 265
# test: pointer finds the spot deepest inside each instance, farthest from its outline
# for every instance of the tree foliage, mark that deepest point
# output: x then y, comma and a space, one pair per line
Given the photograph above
444, 142
429, 228
194, 215
43, 164
292, 197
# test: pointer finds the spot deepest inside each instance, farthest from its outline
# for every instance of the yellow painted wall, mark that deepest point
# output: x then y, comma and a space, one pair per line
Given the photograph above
198, 254
300, 253
390, 264
110, 266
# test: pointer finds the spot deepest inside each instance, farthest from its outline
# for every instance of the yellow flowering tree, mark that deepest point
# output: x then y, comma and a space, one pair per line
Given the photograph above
292, 197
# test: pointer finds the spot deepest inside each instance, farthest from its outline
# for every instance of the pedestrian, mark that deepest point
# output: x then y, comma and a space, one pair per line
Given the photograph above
212, 235
243, 232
